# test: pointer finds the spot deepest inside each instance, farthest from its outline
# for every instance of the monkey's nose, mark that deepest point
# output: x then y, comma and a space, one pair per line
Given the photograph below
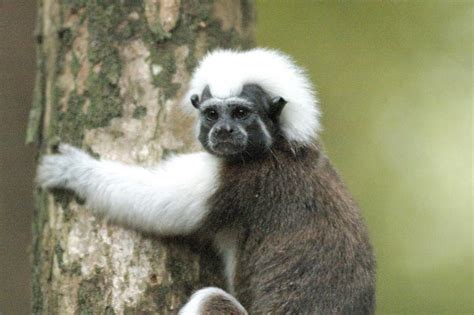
228, 128
224, 131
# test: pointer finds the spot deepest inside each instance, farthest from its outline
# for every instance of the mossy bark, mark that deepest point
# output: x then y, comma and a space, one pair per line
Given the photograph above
110, 76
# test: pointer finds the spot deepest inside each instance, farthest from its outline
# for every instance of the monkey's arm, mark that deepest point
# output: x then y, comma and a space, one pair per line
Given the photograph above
167, 200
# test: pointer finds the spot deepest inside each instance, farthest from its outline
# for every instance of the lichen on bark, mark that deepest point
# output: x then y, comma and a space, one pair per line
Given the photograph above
110, 77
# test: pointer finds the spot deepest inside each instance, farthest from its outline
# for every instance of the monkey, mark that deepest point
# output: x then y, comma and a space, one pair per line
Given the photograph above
263, 191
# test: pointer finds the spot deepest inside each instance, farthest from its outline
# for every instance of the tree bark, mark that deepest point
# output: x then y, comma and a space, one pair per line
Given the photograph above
110, 76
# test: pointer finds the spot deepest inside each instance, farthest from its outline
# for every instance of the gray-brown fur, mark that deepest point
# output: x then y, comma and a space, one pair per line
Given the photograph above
303, 248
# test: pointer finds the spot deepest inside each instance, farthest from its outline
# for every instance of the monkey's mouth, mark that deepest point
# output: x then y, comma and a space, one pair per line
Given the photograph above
226, 147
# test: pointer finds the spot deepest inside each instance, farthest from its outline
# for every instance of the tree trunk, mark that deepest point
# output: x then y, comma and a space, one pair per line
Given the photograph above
109, 79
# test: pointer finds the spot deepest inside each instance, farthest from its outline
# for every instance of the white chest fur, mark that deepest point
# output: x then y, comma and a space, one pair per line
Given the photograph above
226, 244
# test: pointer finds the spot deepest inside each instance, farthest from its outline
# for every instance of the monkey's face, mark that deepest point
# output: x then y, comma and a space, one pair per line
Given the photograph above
241, 126
233, 127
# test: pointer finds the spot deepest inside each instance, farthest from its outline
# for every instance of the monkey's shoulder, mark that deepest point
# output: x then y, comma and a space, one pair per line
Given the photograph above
283, 174
282, 186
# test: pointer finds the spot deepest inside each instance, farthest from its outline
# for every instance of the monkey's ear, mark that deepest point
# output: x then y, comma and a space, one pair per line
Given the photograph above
195, 100
276, 106
206, 93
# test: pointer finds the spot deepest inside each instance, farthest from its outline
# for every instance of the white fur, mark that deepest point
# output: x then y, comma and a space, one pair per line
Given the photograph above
226, 244
227, 71
268, 137
198, 299
168, 200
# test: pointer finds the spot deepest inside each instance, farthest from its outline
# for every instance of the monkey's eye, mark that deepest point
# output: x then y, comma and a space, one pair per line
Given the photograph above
211, 114
240, 113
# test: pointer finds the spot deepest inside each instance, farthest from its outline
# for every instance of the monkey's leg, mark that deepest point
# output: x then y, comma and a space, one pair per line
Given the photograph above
167, 200
212, 301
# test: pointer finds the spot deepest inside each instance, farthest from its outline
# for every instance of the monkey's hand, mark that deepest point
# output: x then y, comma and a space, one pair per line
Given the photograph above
65, 169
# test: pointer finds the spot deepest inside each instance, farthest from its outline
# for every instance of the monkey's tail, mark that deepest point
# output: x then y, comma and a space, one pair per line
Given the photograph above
212, 301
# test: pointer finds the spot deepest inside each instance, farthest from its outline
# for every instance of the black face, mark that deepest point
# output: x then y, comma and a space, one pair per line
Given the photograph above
238, 127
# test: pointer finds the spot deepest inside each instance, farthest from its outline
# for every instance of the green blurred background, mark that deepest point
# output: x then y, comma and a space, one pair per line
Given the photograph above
395, 85
395, 82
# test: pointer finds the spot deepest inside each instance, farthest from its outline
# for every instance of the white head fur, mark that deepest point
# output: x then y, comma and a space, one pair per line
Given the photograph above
227, 71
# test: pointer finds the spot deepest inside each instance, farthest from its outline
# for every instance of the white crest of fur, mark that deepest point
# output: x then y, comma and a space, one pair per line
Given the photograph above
227, 71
